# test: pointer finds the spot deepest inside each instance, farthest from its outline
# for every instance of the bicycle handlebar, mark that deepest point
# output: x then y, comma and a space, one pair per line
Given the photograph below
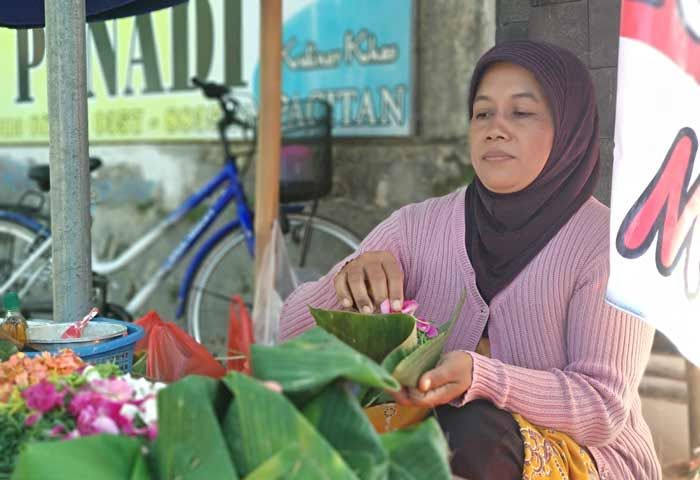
228, 104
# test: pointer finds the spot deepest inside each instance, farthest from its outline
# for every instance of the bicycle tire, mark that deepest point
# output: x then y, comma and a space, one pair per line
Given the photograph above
229, 261
16, 243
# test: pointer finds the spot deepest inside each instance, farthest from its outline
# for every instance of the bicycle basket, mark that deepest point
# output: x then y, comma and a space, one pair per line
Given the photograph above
306, 156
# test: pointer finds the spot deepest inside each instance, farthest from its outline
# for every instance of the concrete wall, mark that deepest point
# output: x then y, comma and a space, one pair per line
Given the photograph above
372, 177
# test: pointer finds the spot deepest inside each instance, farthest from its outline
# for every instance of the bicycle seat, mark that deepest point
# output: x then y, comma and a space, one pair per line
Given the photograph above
40, 173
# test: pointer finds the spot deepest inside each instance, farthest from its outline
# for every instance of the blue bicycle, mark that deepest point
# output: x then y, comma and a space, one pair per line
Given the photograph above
223, 264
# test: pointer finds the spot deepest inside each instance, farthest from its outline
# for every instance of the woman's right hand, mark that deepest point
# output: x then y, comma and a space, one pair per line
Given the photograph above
368, 280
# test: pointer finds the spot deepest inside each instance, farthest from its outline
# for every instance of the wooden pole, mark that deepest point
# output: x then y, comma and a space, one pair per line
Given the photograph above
267, 168
68, 158
693, 378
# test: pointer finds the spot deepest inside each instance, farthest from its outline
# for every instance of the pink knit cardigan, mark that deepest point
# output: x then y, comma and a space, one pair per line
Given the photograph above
560, 356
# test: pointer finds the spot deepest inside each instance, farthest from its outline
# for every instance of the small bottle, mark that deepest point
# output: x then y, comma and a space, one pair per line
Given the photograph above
14, 323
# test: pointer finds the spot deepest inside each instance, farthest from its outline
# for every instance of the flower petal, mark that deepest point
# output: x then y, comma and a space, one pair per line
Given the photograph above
409, 307
385, 307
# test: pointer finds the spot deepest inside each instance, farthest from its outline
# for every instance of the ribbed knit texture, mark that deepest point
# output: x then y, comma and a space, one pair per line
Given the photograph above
561, 356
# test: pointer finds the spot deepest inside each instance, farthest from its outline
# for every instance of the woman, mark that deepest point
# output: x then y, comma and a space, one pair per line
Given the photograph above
553, 391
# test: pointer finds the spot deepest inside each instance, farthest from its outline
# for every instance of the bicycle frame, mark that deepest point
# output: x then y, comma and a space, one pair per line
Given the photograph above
233, 192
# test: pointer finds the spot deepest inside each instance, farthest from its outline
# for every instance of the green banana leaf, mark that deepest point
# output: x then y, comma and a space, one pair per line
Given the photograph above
138, 369
287, 464
314, 359
337, 416
375, 335
7, 349
376, 396
415, 363
261, 423
106, 457
418, 453
190, 443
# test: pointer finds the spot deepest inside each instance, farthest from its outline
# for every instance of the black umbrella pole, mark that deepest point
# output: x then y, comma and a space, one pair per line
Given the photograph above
68, 156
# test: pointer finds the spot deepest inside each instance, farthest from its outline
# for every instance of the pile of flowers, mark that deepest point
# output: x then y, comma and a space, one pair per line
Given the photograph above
61, 397
21, 371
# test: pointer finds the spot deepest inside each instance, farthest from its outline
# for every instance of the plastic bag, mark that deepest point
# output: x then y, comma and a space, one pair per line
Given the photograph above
274, 282
240, 336
172, 353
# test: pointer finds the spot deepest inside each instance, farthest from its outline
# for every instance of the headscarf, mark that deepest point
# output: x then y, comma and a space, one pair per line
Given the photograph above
506, 231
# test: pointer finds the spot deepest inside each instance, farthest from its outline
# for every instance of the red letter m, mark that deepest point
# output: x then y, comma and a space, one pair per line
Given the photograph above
666, 206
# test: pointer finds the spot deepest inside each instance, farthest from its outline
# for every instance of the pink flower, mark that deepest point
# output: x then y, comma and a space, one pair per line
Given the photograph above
426, 327
409, 307
57, 431
32, 419
104, 424
43, 396
113, 388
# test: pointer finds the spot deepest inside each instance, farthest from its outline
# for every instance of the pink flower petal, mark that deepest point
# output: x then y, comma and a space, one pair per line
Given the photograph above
43, 396
409, 307
432, 331
385, 307
32, 419
104, 424
57, 431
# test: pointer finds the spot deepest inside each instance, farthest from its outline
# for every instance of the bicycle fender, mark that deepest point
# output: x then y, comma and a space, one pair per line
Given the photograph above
201, 254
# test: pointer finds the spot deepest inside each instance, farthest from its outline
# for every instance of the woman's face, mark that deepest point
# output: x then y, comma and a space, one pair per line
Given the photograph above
511, 130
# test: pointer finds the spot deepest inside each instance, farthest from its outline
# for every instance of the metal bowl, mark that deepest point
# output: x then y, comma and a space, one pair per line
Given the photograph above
47, 336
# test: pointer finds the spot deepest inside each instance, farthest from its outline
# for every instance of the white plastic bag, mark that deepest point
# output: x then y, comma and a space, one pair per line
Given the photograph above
275, 281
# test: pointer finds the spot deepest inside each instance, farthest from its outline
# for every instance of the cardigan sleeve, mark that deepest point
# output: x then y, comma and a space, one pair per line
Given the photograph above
295, 317
591, 397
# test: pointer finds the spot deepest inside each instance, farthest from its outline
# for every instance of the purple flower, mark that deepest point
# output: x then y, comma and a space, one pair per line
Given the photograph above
43, 396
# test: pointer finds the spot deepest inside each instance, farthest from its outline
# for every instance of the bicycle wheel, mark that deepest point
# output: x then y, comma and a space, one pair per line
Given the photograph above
228, 270
35, 287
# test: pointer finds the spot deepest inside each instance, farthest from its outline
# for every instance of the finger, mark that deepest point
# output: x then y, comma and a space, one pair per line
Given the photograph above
437, 396
342, 291
377, 282
356, 283
394, 277
435, 378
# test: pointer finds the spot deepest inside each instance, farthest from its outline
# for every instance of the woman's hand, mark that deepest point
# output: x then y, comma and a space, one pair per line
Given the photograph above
368, 280
449, 380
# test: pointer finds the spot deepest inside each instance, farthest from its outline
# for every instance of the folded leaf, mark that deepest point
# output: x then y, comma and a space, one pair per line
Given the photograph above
314, 359
107, 457
375, 335
418, 453
409, 369
337, 416
190, 443
261, 423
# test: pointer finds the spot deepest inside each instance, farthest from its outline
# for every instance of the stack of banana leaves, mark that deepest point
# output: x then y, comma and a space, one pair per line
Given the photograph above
315, 428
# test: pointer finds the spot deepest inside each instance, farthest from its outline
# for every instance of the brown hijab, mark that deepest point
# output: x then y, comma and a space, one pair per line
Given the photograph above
506, 231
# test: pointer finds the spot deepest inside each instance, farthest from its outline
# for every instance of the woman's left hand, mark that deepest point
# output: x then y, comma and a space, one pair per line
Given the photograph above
447, 381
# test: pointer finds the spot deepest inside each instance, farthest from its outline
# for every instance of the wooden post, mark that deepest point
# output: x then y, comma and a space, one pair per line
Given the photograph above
693, 378
267, 168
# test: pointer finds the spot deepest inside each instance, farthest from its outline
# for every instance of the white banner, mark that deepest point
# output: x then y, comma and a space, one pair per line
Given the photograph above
655, 232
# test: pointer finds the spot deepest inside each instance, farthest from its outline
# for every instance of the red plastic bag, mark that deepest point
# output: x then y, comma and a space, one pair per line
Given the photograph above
240, 336
172, 353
